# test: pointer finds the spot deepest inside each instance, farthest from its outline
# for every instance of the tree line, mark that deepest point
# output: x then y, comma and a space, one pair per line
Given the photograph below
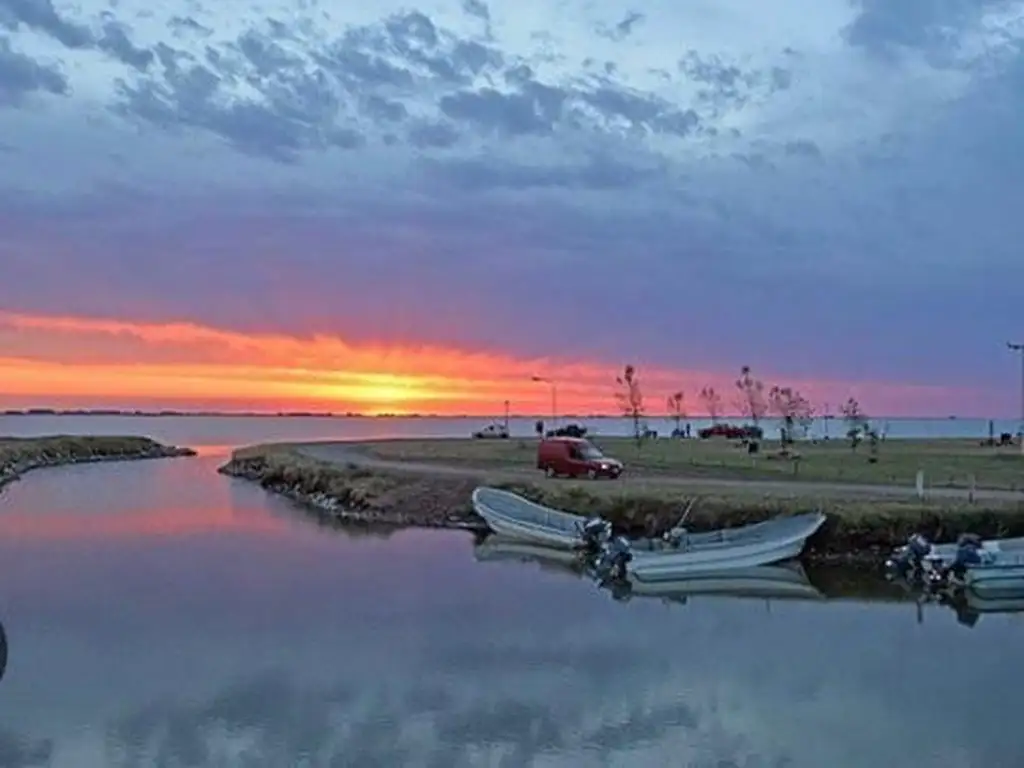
753, 401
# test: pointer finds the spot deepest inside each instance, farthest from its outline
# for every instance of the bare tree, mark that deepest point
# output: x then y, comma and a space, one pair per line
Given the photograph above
631, 400
712, 403
795, 411
752, 402
857, 426
676, 404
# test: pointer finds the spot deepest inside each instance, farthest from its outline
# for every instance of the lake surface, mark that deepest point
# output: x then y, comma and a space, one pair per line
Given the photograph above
224, 431
159, 614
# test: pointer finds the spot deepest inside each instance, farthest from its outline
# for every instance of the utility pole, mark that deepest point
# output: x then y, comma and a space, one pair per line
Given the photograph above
554, 397
1019, 349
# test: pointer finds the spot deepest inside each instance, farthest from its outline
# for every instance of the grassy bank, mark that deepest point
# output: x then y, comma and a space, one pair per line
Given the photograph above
21, 455
945, 463
857, 529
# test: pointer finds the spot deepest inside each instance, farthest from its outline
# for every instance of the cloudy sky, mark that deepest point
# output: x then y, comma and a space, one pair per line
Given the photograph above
466, 191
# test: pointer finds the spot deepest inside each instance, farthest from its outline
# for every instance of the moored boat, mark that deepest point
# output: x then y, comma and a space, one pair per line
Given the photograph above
513, 517
677, 553
920, 553
739, 548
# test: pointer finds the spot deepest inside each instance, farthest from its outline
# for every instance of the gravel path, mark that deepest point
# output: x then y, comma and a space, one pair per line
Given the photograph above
347, 453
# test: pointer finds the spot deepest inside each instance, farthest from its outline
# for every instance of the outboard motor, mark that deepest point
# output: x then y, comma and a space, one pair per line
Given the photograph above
910, 556
968, 553
595, 533
615, 558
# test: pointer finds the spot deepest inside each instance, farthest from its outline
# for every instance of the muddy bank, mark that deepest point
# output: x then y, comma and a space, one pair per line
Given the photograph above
859, 530
21, 455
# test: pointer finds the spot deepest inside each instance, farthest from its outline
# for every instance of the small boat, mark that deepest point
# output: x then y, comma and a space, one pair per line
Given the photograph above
782, 581
749, 546
781, 538
514, 517
919, 552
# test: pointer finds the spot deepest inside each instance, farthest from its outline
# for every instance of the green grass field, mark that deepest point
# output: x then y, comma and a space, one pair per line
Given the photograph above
946, 463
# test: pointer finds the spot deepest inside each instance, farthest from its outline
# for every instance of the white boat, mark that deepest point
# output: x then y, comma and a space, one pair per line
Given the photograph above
514, 517
947, 552
919, 551
781, 538
749, 546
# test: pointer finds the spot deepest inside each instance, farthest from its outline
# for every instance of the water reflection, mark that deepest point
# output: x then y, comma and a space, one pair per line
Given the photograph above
3, 652
268, 643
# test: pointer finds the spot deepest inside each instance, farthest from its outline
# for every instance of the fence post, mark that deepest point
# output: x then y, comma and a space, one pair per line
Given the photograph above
920, 484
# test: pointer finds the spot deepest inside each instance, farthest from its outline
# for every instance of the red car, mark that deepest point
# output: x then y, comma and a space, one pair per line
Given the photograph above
575, 457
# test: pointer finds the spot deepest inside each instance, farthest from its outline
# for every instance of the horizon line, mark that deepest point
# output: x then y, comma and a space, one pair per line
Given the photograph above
171, 413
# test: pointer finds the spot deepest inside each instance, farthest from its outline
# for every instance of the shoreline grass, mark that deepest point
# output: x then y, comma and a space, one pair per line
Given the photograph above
19, 455
858, 529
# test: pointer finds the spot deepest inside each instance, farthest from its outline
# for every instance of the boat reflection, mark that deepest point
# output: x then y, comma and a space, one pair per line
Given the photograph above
500, 549
3, 651
782, 581
785, 581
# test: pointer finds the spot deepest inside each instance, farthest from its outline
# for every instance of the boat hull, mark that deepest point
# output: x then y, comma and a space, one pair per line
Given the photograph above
513, 517
672, 565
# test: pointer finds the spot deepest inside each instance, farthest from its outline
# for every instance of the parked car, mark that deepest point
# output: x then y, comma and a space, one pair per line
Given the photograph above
492, 432
575, 457
731, 432
569, 430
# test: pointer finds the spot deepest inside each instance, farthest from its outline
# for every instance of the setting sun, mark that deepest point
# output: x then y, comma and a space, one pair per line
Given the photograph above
73, 362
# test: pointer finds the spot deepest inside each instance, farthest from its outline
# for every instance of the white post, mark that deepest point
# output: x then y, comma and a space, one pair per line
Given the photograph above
920, 484
1019, 349
554, 397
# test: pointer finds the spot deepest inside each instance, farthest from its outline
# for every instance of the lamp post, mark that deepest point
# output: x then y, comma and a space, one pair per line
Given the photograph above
554, 397
1019, 349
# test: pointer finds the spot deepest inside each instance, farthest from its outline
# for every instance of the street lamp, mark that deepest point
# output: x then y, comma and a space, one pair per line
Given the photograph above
554, 397
1019, 349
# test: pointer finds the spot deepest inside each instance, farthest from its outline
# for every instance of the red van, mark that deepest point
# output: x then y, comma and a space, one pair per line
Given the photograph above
575, 457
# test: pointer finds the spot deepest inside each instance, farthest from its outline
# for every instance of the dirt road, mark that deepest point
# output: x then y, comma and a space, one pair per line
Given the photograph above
349, 453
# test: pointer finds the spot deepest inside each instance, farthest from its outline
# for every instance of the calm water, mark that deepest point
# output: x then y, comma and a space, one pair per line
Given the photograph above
243, 430
161, 615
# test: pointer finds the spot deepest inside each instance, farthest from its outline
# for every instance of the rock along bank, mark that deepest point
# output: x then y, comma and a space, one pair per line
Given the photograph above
861, 530
21, 455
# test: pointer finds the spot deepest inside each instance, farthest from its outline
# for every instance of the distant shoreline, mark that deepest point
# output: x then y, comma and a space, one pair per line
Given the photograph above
165, 413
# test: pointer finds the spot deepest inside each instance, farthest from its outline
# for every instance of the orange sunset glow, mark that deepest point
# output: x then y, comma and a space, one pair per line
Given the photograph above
79, 362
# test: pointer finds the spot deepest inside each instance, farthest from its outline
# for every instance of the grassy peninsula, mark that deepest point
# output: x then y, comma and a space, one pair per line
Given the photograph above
872, 506
21, 455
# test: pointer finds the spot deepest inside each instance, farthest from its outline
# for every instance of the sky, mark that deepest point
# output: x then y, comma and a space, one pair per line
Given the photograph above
421, 206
